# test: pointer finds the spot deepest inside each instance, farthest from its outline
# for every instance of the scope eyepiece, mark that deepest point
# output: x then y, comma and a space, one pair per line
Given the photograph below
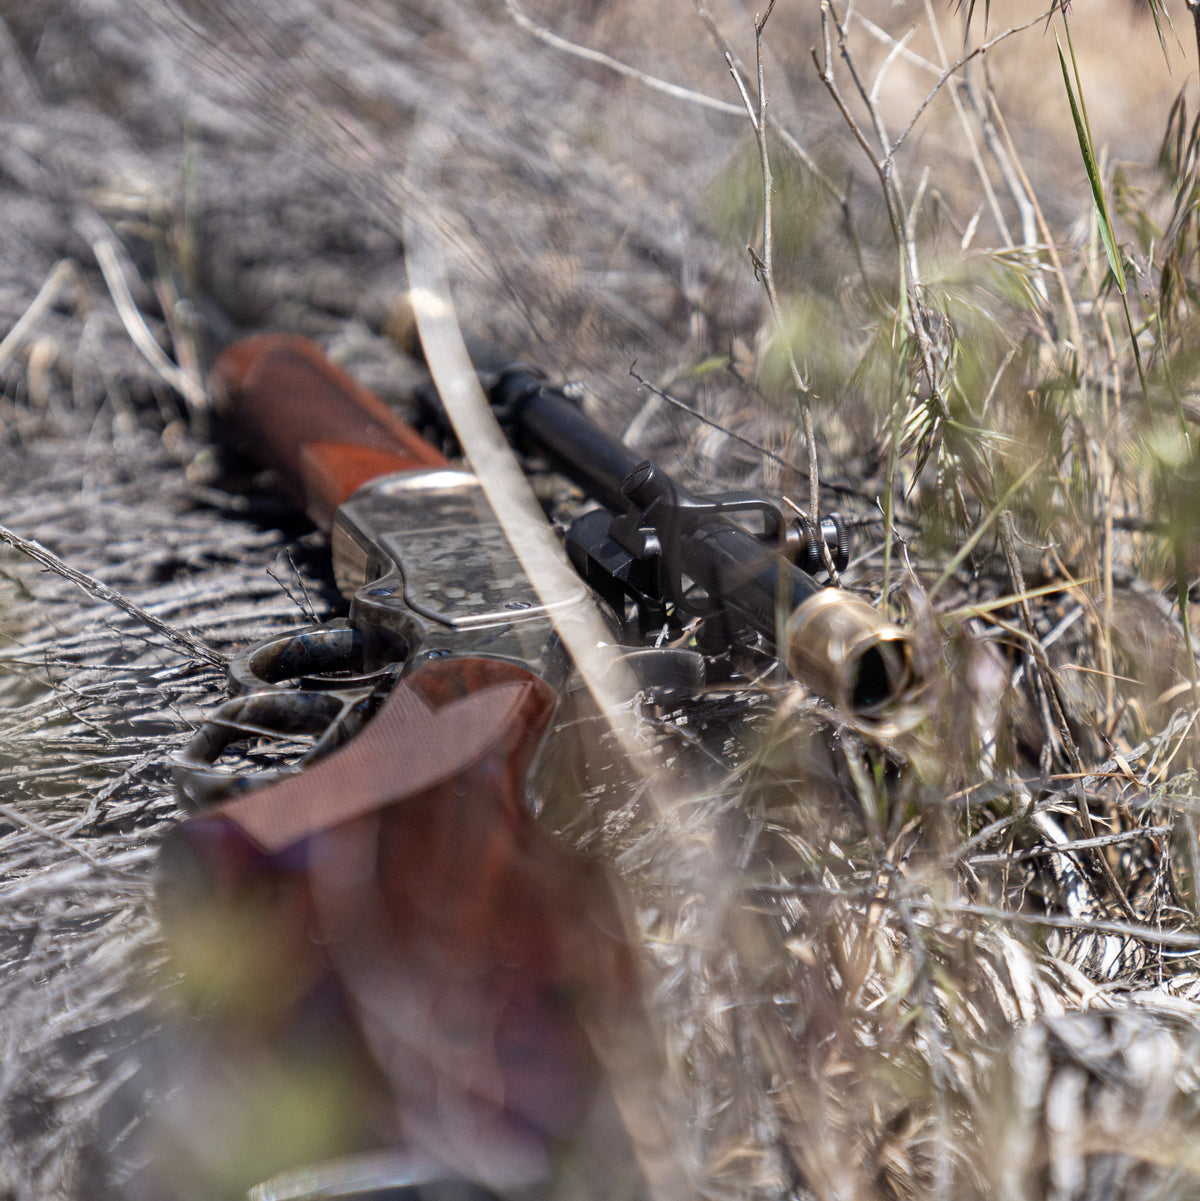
842, 648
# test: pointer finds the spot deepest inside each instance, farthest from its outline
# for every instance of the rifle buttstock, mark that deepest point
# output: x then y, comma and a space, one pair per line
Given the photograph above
475, 952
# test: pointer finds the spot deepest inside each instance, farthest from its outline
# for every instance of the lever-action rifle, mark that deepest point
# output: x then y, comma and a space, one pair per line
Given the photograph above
386, 909
387, 913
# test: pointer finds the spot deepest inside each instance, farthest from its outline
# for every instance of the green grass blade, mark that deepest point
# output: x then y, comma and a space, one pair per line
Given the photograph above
1084, 135
1087, 147
1158, 11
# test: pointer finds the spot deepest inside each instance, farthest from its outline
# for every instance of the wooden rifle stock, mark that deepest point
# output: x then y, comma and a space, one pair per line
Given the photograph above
394, 908
324, 434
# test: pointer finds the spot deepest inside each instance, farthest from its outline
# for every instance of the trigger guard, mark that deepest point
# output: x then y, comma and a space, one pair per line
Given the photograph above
314, 658
335, 715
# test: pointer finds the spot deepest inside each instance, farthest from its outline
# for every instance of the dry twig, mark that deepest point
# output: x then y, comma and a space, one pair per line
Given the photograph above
92, 586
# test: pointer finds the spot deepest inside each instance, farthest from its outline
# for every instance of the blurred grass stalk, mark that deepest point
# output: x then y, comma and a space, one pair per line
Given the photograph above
991, 412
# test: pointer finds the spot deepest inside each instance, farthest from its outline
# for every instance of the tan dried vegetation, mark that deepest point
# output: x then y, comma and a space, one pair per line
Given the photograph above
869, 961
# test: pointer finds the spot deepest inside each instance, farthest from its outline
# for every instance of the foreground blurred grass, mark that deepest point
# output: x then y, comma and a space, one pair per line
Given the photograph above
1019, 423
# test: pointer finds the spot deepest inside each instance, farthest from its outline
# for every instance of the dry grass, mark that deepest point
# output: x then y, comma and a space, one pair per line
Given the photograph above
867, 962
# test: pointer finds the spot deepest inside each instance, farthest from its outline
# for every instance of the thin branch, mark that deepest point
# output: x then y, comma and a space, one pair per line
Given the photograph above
918, 60
825, 74
741, 87
884, 163
102, 592
847, 57
764, 266
674, 90
787, 465
1135, 929
748, 443
890, 185
1074, 844
776, 127
953, 69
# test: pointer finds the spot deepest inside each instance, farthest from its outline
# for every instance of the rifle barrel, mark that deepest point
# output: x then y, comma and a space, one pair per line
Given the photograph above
546, 421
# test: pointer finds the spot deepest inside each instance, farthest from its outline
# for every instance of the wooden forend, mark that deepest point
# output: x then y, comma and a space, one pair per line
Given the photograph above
305, 418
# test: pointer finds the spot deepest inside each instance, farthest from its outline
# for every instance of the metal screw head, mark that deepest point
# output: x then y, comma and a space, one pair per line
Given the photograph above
640, 485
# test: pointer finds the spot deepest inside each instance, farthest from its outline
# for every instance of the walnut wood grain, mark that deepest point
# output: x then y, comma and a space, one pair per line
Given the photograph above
473, 953
323, 433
